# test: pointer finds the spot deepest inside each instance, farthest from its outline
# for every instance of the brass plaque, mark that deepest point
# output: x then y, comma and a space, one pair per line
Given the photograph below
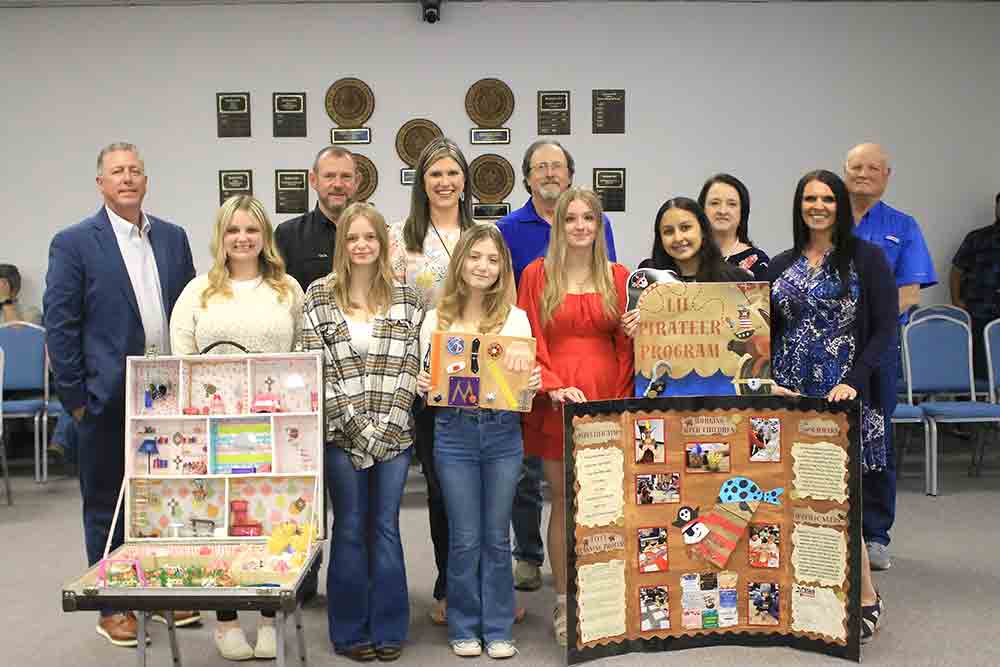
367, 177
350, 102
492, 178
489, 102
413, 137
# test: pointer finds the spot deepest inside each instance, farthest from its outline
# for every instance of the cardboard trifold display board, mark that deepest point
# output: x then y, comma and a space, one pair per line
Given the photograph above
707, 521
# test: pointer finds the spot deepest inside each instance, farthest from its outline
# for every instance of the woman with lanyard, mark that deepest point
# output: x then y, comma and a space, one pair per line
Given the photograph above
420, 250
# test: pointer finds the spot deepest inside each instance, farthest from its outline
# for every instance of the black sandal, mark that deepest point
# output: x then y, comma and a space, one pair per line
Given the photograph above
870, 617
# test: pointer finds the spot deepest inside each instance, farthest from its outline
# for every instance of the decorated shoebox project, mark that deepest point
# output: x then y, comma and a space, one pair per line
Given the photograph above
481, 370
223, 473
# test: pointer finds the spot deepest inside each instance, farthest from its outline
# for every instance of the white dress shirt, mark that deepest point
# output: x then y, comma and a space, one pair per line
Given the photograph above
137, 252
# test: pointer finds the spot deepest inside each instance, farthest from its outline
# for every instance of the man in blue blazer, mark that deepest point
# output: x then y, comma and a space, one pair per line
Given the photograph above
112, 282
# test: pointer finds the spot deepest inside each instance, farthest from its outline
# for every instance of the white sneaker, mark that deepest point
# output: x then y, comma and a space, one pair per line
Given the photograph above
233, 645
267, 641
467, 648
501, 648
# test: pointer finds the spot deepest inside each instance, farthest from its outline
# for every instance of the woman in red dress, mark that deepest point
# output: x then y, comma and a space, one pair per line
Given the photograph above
574, 298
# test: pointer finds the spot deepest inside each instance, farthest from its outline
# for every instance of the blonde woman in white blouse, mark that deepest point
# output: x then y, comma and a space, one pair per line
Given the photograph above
246, 298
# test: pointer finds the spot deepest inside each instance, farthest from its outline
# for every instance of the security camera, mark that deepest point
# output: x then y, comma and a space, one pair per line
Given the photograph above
432, 10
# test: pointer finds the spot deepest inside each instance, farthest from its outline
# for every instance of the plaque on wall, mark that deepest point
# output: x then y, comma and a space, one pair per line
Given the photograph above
492, 178
367, 177
553, 112
407, 176
609, 111
609, 184
232, 111
291, 190
356, 135
482, 135
413, 137
489, 103
349, 103
234, 182
289, 114
490, 211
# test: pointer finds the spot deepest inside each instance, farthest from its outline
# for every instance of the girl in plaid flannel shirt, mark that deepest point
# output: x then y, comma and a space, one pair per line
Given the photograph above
367, 326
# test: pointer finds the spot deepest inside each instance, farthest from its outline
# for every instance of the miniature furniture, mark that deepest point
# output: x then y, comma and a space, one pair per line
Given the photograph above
222, 505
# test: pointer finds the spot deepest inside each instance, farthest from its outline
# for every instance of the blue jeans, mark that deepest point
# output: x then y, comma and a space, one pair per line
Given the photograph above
367, 600
527, 513
478, 458
878, 489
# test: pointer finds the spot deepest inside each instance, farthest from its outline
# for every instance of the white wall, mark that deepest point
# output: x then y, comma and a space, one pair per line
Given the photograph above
765, 91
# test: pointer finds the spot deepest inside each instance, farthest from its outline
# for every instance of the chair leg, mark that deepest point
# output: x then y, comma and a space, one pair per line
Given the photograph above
977, 447
38, 448
45, 447
900, 436
930, 458
6, 470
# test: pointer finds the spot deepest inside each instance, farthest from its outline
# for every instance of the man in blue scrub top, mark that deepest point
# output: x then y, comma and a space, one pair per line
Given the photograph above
548, 172
867, 173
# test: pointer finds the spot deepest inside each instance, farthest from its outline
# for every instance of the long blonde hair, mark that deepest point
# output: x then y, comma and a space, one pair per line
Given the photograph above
497, 300
555, 258
380, 291
272, 266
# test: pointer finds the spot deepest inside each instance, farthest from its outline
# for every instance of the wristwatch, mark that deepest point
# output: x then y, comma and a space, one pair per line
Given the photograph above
8, 302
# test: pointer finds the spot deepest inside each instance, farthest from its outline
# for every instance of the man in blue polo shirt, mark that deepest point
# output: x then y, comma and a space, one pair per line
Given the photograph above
548, 170
866, 174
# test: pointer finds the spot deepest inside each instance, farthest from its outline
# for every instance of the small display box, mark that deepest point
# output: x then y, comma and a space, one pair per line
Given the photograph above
222, 500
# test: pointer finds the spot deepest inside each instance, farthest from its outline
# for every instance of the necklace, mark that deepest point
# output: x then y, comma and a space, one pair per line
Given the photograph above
441, 239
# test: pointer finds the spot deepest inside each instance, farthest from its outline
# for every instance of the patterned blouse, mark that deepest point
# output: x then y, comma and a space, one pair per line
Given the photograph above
424, 270
368, 399
818, 346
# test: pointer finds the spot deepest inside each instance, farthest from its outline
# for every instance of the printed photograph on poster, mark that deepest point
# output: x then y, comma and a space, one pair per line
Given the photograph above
654, 608
763, 604
658, 488
707, 456
653, 552
650, 441
764, 545
765, 439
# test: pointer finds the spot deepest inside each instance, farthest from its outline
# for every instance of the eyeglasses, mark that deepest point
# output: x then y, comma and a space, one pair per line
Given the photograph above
544, 167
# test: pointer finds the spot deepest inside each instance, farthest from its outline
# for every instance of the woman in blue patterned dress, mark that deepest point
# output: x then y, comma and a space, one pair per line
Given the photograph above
833, 312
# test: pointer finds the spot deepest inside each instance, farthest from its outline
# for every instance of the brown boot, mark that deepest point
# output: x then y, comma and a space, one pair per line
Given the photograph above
119, 629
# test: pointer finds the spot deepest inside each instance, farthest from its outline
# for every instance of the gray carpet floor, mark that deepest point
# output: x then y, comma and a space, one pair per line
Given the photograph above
941, 592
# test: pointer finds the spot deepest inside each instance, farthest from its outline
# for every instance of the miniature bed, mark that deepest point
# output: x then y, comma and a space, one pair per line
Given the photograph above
222, 500
710, 521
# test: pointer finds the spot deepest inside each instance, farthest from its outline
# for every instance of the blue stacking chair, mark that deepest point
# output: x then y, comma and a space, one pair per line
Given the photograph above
992, 335
941, 309
938, 360
3, 443
25, 371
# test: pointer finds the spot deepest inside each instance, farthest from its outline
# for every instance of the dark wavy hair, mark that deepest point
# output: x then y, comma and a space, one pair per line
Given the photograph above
743, 230
711, 267
844, 241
